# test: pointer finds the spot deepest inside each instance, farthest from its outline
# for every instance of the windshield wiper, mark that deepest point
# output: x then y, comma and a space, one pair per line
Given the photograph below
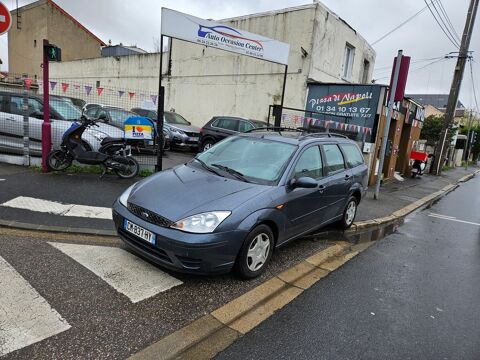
206, 167
231, 171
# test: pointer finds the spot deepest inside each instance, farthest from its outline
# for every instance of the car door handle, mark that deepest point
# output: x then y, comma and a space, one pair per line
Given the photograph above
321, 189
347, 177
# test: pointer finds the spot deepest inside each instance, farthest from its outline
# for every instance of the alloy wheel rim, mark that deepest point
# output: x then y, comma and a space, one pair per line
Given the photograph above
207, 146
258, 252
350, 212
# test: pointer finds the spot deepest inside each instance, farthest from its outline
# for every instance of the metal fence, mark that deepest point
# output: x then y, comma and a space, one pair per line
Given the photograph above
21, 116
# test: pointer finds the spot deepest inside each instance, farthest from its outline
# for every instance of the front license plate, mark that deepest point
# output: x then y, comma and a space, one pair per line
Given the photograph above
193, 139
140, 232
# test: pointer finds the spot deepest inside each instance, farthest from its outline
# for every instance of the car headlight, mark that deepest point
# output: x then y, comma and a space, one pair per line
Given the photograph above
202, 223
124, 197
178, 131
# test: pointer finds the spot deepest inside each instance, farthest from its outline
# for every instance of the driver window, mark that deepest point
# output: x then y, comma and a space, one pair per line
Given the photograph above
309, 164
91, 112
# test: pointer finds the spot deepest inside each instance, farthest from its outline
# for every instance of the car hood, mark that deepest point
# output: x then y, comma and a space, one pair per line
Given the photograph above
186, 190
187, 128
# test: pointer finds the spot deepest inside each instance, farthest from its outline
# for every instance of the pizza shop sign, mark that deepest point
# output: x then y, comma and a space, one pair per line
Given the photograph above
352, 101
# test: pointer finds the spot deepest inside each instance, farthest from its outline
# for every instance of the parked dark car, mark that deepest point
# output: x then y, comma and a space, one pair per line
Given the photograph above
79, 103
220, 127
234, 203
181, 131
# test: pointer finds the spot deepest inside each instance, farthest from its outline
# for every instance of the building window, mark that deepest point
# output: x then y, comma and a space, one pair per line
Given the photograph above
98, 84
366, 70
34, 43
348, 61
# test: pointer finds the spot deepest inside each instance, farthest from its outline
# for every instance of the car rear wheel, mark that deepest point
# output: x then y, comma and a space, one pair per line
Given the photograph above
207, 144
255, 253
349, 213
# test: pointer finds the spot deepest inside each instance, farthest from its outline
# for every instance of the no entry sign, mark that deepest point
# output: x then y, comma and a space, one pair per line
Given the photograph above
5, 19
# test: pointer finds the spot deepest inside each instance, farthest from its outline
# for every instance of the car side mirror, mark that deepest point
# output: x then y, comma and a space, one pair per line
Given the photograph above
37, 115
305, 182
103, 118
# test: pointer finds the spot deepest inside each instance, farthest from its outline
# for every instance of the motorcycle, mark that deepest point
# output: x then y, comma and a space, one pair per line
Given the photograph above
418, 161
114, 154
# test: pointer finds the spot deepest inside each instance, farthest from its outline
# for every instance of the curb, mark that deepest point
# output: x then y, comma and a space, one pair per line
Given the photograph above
214, 332
13, 224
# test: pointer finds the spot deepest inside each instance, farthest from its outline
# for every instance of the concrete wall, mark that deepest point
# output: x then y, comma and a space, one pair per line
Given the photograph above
331, 36
42, 20
205, 82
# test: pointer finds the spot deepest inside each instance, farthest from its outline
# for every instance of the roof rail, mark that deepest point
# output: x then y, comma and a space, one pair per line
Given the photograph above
275, 128
329, 134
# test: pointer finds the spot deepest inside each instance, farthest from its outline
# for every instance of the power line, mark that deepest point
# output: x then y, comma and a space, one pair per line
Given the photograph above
448, 28
449, 36
400, 25
419, 68
389, 67
473, 87
442, 8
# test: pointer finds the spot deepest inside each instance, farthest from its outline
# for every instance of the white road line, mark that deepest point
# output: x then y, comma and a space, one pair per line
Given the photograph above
57, 208
443, 216
126, 273
2, 179
453, 219
25, 316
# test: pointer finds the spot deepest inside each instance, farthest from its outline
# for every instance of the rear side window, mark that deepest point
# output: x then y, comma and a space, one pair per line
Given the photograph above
244, 126
353, 154
91, 112
227, 124
334, 158
309, 164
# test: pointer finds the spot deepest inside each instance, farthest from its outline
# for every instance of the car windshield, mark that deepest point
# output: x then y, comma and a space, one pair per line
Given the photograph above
66, 109
119, 116
258, 160
174, 118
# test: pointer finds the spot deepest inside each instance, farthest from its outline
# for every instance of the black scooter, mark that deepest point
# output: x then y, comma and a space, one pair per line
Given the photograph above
113, 154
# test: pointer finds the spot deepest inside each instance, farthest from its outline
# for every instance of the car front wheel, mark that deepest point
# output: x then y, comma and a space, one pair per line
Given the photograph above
349, 213
207, 144
255, 253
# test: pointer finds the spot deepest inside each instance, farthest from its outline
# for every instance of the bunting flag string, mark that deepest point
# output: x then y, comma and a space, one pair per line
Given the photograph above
120, 93
64, 86
154, 98
298, 119
88, 89
99, 91
131, 95
53, 84
28, 83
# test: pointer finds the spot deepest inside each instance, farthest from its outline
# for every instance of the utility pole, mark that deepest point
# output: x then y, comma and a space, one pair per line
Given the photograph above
456, 83
468, 144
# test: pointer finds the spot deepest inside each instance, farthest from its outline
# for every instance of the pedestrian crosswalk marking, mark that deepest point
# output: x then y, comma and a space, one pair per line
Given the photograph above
57, 208
126, 273
25, 316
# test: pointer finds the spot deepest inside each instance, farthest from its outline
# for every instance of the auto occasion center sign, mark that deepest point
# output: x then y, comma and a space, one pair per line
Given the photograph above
204, 32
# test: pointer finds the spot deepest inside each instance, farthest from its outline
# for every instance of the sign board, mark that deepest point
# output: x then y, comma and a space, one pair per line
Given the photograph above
205, 32
138, 128
5, 19
54, 53
357, 104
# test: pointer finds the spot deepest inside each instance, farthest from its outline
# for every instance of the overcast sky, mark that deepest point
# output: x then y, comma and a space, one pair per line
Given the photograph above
138, 23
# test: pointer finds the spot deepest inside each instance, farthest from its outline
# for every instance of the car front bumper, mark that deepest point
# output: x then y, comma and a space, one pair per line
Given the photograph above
184, 140
180, 251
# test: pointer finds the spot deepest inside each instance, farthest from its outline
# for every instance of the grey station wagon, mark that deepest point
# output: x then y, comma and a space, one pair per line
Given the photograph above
232, 205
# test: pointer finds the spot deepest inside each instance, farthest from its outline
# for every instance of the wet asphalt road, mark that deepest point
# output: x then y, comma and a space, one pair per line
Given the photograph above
105, 324
413, 295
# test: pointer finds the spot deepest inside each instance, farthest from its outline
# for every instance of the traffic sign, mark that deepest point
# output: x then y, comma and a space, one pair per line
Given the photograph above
5, 19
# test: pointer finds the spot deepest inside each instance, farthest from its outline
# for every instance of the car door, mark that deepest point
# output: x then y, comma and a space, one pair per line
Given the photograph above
11, 125
224, 127
339, 179
305, 208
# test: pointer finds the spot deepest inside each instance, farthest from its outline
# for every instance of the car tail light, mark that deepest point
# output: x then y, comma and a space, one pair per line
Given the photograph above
201, 131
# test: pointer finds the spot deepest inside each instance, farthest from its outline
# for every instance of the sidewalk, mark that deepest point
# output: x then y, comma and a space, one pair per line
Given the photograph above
94, 197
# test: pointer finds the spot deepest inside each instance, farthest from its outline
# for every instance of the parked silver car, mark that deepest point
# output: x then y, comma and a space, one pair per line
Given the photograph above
182, 133
62, 113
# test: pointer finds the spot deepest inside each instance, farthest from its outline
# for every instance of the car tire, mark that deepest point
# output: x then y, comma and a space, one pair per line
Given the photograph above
207, 144
349, 213
255, 253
